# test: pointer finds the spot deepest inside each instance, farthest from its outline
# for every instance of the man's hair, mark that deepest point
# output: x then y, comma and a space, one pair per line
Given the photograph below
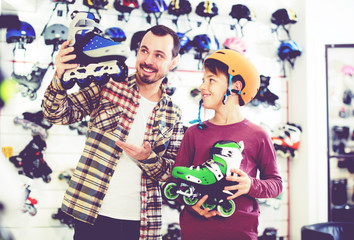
161, 30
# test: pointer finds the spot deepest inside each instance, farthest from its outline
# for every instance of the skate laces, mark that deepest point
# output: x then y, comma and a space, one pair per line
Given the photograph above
210, 163
212, 166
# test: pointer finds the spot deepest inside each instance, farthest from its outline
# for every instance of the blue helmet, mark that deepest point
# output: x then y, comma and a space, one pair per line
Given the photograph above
116, 34
24, 34
203, 43
185, 42
289, 50
154, 6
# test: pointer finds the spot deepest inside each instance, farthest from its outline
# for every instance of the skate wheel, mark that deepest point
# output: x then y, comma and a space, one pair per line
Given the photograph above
102, 80
226, 208
169, 191
265, 104
276, 106
85, 82
211, 205
68, 84
46, 179
255, 102
190, 200
33, 96
122, 75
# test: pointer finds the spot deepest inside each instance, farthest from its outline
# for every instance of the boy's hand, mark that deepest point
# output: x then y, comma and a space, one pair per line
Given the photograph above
243, 180
137, 152
204, 212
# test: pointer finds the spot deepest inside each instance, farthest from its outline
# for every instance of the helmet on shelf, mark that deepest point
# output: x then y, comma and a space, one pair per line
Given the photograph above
240, 11
239, 66
289, 50
204, 43
348, 70
136, 39
185, 42
116, 34
283, 16
179, 7
124, 6
55, 34
24, 34
96, 4
207, 9
235, 43
154, 6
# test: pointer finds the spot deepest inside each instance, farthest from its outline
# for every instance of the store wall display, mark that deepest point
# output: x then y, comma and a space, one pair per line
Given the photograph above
211, 23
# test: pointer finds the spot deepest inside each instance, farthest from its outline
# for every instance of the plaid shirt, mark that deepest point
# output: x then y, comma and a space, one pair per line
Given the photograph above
112, 109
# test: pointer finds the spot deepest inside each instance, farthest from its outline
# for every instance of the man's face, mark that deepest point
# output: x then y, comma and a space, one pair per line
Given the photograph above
154, 58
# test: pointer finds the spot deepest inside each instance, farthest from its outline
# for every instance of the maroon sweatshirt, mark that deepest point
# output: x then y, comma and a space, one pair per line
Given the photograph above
258, 154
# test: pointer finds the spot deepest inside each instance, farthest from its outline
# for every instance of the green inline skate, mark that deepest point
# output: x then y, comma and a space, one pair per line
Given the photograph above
192, 183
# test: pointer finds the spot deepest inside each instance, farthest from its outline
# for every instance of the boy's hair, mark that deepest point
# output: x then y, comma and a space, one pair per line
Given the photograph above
161, 30
215, 66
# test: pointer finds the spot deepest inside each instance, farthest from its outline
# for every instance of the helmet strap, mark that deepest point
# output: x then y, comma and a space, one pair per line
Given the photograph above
228, 91
199, 121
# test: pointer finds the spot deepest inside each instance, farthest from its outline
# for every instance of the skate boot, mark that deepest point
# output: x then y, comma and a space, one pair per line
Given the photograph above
81, 127
29, 84
30, 160
265, 96
207, 179
64, 218
34, 121
340, 139
30, 203
286, 139
99, 57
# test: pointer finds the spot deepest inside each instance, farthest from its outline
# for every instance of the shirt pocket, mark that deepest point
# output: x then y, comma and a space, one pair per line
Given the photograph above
107, 116
162, 140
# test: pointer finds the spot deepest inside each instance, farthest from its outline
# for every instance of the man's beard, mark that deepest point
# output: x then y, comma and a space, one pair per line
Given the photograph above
145, 79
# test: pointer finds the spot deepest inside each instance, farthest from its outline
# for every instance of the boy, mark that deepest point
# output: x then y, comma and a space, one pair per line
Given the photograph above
230, 81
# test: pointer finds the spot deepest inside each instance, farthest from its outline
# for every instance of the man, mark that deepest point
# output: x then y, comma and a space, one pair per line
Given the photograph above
134, 134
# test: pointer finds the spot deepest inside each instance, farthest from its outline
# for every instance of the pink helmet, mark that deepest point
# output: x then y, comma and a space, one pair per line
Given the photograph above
235, 43
348, 70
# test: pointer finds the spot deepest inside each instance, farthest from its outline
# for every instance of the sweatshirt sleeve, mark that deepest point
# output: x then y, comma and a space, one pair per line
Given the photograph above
269, 184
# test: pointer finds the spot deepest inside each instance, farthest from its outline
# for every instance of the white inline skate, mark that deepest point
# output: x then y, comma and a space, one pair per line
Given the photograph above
100, 58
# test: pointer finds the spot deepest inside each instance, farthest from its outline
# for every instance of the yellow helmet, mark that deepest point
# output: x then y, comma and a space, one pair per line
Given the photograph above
239, 65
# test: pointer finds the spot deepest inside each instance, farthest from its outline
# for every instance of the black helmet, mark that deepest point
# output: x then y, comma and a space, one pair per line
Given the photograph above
240, 11
136, 39
207, 9
178, 8
283, 16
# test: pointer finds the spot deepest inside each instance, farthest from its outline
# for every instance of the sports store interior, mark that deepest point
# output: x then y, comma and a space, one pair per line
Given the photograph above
303, 50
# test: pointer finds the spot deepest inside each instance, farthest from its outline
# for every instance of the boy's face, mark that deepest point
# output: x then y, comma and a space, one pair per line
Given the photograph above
213, 89
154, 58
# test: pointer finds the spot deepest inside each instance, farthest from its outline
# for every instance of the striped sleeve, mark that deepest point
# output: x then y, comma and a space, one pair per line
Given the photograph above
60, 108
